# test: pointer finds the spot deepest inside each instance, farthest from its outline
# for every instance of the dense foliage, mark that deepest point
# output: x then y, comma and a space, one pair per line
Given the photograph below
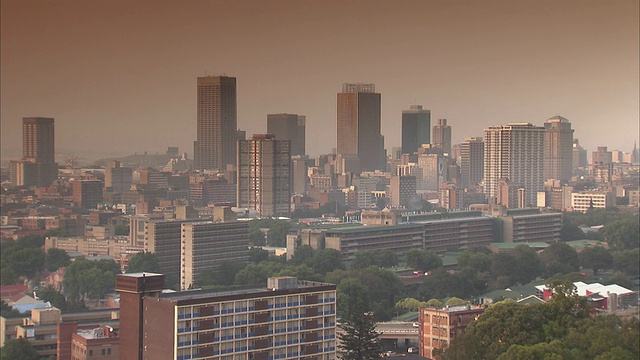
559, 329
360, 339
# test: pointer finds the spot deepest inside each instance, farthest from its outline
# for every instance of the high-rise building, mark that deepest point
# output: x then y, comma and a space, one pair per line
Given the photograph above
264, 175
579, 155
515, 152
402, 190
358, 123
558, 149
471, 161
87, 193
284, 318
38, 166
416, 128
288, 127
118, 178
215, 146
602, 164
441, 137
434, 171
208, 245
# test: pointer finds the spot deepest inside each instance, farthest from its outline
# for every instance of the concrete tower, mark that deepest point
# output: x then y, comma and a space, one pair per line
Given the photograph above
215, 146
558, 149
416, 128
358, 125
514, 152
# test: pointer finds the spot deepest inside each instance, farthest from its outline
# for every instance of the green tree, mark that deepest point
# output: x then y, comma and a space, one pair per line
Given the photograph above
90, 279
559, 258
454, 301
326, 260
410, 304
53, 296
435, 303
7, 276
627, 261
352, 292
277, 235
143, 262
256, 237
380, 258
360, 339
596, 258
257, 254
476, 261
23, 261
503, 265
528, 263
18, 349
423, 260
257, 273
31, 241
623, 234
55, 259
570, 232
303, 254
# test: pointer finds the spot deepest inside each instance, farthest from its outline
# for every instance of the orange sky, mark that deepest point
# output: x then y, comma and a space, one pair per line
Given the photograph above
120, 76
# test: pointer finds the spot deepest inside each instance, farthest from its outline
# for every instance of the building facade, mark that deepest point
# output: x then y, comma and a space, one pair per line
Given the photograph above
87, 193
264, 175
286, 319
37, 166
416, 128
358, 124
442, 136
215, 146
438, 327
207, 245
289, 127
558, 149
471, 161
515, 152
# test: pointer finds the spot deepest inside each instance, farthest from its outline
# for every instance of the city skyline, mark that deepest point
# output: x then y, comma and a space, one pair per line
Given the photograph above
128, 75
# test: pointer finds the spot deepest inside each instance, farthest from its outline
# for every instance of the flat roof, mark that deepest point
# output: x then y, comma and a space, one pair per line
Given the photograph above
371, 228
507, 246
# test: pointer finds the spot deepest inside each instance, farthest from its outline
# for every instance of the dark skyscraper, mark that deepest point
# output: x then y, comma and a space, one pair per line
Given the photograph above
441, 137
416, 128
38, 166
288, 127
558, 149
215, 146
471, 161
359, 125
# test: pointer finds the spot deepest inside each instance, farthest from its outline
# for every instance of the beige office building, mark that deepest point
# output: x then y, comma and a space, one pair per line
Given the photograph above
515, 152
558, 149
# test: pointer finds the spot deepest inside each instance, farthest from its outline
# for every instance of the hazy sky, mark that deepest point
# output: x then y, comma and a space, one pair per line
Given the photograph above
120, 76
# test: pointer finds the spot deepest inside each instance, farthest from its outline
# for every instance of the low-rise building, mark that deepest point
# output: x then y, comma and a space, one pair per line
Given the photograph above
439, 326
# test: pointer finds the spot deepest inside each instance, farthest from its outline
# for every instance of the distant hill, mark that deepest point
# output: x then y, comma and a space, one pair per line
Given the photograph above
138, 160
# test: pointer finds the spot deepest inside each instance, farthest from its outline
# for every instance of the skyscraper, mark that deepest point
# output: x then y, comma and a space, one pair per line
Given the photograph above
471, 161
264, 175
515, 152
288, 127
215, 146
416, 128
442, 136
38, 166
358, 125
558, 149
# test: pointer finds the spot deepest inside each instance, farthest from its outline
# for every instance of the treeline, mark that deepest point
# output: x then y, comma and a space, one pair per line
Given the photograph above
559, 329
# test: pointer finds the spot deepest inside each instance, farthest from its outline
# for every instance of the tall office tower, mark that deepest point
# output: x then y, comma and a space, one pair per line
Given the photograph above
359, 125
215, 146
416, 128
87, 193
264, 175
558, 149
37, 166
471, 161
299, 166
602, 164
516, 152
118, 178
208, 245
402, 190
288, 127
441, 137
579, 155
434, 171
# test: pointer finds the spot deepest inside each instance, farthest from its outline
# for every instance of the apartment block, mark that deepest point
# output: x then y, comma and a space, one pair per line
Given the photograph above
543, 227
438, 327
286, 319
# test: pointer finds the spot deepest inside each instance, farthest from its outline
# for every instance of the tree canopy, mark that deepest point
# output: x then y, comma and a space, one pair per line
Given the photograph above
360, 339
18, 349
143, 262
